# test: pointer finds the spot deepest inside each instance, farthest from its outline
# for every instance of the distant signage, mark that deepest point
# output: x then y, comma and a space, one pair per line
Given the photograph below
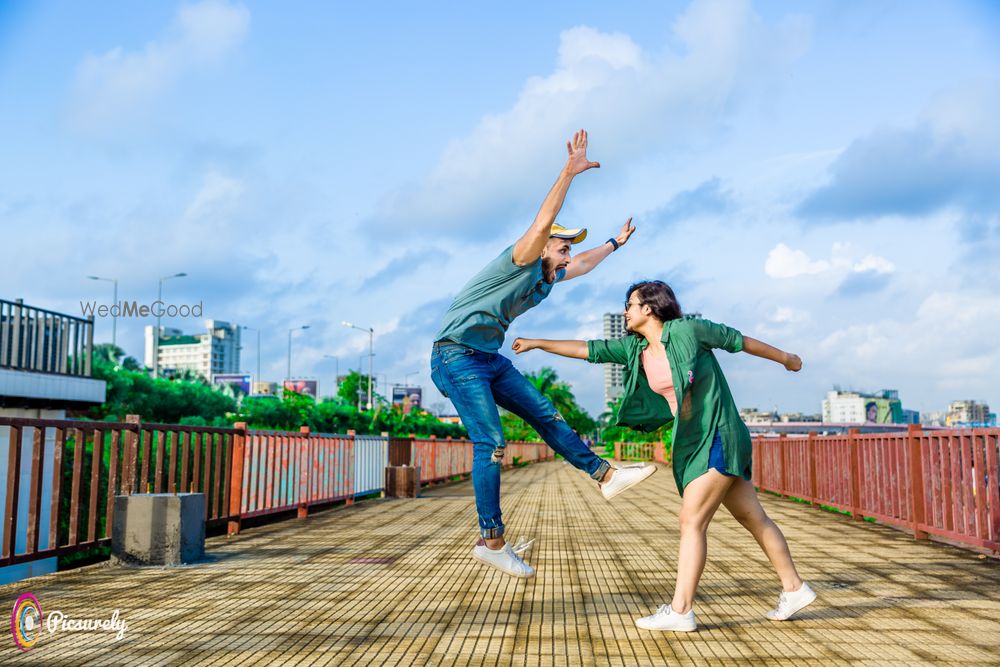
883, 411
306, 387
409, 398
239, 383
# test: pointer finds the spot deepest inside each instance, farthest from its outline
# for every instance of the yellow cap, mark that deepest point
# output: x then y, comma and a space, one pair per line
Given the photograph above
574, 235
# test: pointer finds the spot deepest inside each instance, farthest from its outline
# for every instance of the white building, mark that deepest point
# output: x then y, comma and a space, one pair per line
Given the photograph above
208, 354
844, 407
967, 412
614, 327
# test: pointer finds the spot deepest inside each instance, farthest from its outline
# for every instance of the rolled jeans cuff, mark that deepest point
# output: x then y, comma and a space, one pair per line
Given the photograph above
601, 470
491, 533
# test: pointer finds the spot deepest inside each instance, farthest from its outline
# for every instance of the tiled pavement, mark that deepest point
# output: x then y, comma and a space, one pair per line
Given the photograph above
391, 582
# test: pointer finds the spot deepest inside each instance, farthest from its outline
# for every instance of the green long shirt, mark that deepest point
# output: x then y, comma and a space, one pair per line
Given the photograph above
704, 401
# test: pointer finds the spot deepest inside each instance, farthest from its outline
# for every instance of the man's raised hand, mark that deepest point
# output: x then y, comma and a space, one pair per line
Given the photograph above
627, 229
577, 148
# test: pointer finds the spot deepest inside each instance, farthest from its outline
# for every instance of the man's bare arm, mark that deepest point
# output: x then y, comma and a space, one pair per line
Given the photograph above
585, 262
529, 247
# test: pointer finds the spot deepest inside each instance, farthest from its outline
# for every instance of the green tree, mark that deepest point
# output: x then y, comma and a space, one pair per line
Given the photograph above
546, 380
354, 390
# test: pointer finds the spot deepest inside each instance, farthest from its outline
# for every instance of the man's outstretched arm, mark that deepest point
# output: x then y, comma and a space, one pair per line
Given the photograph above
586, 261
529, 247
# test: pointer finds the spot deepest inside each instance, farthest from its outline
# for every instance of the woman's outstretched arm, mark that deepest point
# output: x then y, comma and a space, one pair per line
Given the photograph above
761, 349
575, 349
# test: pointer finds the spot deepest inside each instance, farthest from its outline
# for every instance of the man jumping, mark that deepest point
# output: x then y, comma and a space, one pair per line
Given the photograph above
467, 368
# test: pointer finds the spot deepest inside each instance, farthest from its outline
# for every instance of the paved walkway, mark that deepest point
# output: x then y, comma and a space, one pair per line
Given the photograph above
390, 582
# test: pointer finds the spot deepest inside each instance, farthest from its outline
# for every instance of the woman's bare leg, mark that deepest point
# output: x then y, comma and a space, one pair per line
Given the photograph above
742, 502
702, 498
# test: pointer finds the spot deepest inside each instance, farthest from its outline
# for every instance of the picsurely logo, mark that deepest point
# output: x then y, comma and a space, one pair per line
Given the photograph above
26, 623
136, 309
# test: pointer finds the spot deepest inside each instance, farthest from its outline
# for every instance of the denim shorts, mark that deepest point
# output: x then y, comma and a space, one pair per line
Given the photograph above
716, 457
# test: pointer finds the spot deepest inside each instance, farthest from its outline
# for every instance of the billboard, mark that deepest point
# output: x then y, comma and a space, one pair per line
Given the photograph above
883, 411
240, 383
302, 386
409, 398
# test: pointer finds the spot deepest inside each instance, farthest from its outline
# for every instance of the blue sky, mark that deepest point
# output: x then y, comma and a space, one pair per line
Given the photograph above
821, 175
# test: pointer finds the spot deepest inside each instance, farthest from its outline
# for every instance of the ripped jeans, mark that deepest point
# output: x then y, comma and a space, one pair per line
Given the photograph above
477, 382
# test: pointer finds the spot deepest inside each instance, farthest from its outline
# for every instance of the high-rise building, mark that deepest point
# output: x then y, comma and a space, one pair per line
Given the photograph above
210, 353
967, 412
614, 327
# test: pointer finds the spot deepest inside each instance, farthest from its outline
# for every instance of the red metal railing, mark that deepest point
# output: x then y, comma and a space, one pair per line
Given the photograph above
78, 467
642, 451
942, 483
121, 458
440, 460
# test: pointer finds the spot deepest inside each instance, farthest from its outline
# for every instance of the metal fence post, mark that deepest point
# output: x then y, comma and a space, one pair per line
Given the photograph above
854, 449
782, 450
914, 433
236, 478
303, 509
811, 454
131, 455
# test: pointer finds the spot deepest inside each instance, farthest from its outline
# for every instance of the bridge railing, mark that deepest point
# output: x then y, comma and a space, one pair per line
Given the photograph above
944, 483
62, 475
642, 451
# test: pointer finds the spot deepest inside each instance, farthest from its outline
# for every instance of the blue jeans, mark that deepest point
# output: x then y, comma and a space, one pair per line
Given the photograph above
477, 382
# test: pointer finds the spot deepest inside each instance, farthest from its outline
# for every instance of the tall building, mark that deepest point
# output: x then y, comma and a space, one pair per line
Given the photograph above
967, 412
614, 327
208, 354
851, 407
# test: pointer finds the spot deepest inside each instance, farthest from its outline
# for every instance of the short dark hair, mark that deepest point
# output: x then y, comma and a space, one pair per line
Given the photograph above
659, 297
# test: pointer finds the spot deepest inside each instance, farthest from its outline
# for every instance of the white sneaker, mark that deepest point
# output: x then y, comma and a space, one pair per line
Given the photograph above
789, 603
503, 559
625, 478
666, 618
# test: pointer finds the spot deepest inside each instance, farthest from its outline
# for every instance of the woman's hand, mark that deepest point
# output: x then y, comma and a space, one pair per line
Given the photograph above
792, 362
523, 345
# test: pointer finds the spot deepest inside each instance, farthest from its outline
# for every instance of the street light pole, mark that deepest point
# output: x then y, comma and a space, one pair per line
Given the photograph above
304, 326
257, 329
114, 302
156, 334
336, 378
371, 355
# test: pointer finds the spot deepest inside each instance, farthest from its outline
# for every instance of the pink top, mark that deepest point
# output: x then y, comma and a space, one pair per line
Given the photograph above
657, 368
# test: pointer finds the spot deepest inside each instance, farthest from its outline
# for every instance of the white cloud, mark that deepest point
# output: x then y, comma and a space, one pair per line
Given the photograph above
946, 349
783, 262
111, 87
218, 196
786, 262
632, 102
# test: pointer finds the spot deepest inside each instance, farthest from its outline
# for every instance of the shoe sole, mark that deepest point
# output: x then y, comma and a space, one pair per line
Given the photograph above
796, 610
666, 629
651, 470
502, 569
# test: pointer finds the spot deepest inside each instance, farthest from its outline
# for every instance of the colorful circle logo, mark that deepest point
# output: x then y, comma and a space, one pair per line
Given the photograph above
26, 622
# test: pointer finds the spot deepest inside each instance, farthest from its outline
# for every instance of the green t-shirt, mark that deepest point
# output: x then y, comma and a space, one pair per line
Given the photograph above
482, 311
